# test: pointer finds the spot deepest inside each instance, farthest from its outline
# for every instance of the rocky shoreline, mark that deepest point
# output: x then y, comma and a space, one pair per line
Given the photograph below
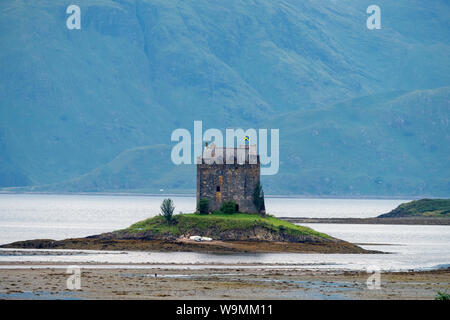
184, 245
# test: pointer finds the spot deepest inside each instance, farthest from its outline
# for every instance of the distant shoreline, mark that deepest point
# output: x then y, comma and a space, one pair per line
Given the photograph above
144, 194
392, 221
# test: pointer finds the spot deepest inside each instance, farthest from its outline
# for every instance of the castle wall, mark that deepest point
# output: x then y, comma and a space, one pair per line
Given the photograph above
228, 182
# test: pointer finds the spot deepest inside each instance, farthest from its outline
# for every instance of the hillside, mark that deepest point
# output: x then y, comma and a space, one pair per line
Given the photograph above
324, 151
432, 208
86, 110
396, 143
143, 169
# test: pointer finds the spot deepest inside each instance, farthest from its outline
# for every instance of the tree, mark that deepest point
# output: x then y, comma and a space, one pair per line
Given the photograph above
203, 206
167, 209
258, 198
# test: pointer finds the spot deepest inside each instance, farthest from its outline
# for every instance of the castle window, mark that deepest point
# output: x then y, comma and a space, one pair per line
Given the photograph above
218, 188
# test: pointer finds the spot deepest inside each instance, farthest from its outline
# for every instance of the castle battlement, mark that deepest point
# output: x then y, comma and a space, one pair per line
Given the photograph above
240, 155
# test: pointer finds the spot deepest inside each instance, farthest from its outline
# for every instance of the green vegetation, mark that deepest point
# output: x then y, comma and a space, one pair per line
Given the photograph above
203, 206
421, 208
228, 207
258, 197
167, 209
442, 296
217, 223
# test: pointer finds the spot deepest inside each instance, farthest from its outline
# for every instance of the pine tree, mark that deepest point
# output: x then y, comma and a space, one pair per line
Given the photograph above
167, 209
258, 198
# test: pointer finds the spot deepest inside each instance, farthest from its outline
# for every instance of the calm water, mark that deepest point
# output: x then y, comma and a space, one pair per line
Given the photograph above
25, 217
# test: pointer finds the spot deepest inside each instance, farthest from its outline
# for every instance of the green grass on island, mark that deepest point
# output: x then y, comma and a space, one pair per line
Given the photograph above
421, 208
217, 223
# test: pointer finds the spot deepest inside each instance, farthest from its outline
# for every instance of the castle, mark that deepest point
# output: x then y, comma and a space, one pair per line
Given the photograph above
228, 174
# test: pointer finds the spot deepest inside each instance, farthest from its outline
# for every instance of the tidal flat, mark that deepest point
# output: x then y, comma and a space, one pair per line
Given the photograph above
251, 282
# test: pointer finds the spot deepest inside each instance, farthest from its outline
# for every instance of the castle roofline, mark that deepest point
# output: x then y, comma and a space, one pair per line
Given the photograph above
242, 154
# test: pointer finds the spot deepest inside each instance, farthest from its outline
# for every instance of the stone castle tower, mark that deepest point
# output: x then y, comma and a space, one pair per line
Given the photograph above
228, 174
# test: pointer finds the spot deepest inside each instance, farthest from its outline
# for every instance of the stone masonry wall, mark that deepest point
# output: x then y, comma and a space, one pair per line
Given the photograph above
228, 182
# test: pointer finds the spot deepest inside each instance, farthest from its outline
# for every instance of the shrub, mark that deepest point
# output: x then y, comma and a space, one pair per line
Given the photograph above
228, 207
203, 206
167, 209
442, 296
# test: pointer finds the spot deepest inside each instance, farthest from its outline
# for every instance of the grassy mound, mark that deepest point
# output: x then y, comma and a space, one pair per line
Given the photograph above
239, 226
421, 208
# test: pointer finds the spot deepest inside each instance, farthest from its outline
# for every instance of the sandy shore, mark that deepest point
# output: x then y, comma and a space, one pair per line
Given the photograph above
252, 282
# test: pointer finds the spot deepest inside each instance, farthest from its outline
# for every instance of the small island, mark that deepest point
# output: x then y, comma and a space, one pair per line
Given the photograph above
237, 232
